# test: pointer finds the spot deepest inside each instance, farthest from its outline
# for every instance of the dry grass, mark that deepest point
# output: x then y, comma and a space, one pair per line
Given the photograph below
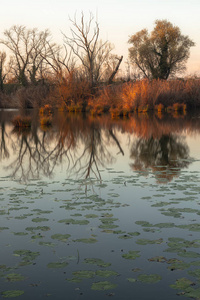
144, 95
20, 121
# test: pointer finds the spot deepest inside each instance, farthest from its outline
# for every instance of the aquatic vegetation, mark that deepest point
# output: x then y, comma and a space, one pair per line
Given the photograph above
57, 265
131, 255
106, 273
12, 277
74, 222
12, 293
86, 241
151, 278
26, 255
103, 285
60, 237
97, 262
147, 241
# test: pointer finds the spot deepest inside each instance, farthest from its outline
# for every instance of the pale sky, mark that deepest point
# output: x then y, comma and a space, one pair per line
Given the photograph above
118, 19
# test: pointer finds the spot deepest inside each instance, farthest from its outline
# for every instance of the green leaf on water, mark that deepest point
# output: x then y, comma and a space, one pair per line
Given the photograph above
158, 259
91, 216
20, 233
57, 265
97, 261
147, 241
26, 254
12, 293
152, 278
3, 228
106, 273
87, 241
131, 279
42, 228
48, 244
181, 284
144, 224
74, 222
84, 274
195, 273
60, 237
12, 277
192, 293
190, 254
131, 255
38, 220
103, 285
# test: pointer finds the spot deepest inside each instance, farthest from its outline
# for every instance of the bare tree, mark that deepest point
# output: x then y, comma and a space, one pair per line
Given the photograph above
59, 60
85, 44
2, 70
27, 47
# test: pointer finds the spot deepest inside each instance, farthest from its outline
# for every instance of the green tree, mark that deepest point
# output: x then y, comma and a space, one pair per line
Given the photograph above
161, 53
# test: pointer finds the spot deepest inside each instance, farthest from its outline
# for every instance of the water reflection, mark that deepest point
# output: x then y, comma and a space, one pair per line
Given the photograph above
85, 145
166, 156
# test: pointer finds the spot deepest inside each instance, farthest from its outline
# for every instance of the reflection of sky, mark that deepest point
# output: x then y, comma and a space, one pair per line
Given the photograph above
118, 19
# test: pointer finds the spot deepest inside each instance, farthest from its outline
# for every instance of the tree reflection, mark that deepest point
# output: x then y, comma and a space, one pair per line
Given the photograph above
166, 156
84, 146
80, 145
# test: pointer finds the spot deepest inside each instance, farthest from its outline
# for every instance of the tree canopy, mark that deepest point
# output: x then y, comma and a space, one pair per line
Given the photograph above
161, 53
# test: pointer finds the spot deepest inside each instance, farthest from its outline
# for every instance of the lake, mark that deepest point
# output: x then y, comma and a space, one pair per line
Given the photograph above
94, 207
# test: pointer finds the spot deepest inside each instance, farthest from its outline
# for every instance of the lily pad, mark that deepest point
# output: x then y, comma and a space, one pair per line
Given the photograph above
106, 273
74, 222
14, 277
103, 285
147, 241
152, 278
131, 279
87, 241
60, 237
182, 284
57, 265
131, 255
189, 254
84, 274
97, 261
12, 293
48, 244
26, 254
38, 220
20, 233
158, 259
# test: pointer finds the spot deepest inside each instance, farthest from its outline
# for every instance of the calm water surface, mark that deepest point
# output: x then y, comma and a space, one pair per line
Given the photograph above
98, 208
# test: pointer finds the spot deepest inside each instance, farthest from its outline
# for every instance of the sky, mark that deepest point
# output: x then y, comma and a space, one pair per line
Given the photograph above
118, 19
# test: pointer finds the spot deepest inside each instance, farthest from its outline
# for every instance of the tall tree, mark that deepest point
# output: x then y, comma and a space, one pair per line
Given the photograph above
161, 53
88, 48
27, 47
2, 70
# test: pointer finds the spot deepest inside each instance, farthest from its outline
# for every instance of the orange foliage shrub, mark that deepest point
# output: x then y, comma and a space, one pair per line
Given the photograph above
72, 91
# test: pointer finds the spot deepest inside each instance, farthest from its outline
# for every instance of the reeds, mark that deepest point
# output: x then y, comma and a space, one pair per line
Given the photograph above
144, 95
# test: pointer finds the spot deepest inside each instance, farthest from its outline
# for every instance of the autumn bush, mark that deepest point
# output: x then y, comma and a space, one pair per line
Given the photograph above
72, 92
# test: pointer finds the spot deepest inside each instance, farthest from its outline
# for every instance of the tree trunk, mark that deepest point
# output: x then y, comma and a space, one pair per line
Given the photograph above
115, 71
